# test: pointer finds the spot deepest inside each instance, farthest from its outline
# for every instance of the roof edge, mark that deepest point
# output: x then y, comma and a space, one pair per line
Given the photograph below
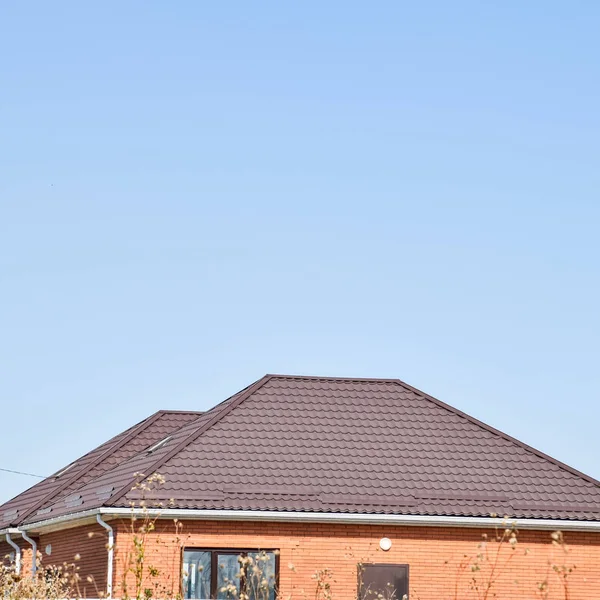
320, 517
135, 430
500, 433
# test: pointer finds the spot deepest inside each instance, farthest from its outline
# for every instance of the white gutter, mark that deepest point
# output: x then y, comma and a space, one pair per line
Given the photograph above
17, 554
111, 550
33, 552
62, 519
322, 517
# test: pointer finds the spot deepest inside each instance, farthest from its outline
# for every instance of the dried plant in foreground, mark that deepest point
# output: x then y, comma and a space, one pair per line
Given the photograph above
138, 566
51, 583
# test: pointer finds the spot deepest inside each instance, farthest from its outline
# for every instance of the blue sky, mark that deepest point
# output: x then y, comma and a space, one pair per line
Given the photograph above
194, 194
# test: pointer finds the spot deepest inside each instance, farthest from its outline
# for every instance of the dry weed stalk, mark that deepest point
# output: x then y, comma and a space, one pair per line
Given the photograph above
147, 581
51, 583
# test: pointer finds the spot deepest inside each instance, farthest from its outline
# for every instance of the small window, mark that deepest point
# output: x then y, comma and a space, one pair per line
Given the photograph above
224, 574
389, 582
158, 445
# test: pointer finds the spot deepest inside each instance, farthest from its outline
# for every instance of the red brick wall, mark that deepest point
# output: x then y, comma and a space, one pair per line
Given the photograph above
90, 543
433, 555
26, 558
5, 550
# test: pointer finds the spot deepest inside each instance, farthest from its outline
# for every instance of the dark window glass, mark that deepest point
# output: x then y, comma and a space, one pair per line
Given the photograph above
228, 576
260, 584
389, 582
196, 574
223, 574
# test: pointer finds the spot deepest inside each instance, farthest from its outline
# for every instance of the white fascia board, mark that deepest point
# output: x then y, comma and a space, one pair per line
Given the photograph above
316, 517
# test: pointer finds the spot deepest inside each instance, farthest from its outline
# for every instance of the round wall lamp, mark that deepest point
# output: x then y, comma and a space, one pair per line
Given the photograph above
385, 544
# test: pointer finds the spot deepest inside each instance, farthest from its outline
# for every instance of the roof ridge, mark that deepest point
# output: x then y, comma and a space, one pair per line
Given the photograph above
225, 410
334, 378
135, 430
499, 433
166, 411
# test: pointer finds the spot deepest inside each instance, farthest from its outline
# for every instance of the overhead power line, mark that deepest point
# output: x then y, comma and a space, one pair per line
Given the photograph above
21, 473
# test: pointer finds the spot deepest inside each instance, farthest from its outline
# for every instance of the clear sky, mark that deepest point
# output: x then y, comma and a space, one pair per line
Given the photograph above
193, 194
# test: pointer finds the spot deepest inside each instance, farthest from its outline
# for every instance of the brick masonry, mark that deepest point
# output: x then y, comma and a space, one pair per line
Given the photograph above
433, 555
89, 542
7, 553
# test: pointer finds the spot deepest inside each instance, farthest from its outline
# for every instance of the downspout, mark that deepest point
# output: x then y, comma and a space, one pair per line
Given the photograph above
17, 554
33, 550
111, 550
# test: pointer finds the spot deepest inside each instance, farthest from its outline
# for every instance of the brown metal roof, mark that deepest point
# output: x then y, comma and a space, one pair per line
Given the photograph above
93, 464
290, 443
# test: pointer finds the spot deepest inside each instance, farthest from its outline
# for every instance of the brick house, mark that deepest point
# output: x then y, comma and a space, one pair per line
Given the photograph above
371, 479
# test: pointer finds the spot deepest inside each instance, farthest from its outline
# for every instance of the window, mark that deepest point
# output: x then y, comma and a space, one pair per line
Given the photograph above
222, 574
391, 581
